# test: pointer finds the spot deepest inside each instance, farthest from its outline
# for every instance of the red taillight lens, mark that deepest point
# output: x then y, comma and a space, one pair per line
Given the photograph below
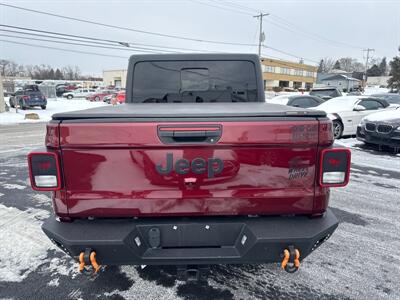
334, 167
44, 171
25, 97
325, 133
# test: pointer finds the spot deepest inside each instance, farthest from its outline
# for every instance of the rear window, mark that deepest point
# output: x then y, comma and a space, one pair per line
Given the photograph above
329, 93
194, 81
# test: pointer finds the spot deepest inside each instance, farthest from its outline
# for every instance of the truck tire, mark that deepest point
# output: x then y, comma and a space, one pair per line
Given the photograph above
337, 129
43, 106
69, 97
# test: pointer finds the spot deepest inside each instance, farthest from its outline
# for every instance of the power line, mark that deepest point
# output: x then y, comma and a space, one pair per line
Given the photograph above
126, 28
231, 3
92, 43
140, 31
278, 62
97, 39
62, 49
80, 44
223, 8
285, 25
311, 34
290, 54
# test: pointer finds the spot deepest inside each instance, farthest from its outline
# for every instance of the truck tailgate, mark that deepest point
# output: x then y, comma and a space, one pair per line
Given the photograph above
125, 168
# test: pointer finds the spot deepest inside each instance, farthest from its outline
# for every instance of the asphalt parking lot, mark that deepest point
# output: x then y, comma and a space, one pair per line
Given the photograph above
360, 261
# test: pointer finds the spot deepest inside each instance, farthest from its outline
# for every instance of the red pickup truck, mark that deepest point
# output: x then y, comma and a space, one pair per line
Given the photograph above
194, 169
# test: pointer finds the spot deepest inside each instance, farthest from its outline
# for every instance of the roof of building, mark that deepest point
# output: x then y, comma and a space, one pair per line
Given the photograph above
340, 77
285, 63
338, 71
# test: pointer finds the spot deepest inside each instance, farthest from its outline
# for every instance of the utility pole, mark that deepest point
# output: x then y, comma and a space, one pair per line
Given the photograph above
2, 102
368, 50
262, 36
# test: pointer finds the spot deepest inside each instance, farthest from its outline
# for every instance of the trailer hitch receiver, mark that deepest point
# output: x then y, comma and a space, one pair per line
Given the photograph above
87, 261
291, 259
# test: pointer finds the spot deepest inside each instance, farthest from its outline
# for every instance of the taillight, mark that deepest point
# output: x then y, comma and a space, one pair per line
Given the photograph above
334, 167
25, 97
44, 171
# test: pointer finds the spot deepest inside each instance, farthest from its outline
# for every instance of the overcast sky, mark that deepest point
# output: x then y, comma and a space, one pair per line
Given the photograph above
309, 29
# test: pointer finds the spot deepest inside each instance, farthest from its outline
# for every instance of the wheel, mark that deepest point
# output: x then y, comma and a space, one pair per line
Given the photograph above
43, 106
97, 98
337, 129
21, 105
70, 97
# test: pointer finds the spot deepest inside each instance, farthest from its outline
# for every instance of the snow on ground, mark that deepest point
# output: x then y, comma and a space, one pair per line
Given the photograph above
26, 247
369, 90
53, 106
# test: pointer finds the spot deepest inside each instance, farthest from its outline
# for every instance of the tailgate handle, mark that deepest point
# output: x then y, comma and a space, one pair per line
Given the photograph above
209, 134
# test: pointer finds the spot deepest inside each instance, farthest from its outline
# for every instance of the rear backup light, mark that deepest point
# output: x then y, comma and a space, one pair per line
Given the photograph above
44, 171
334, 167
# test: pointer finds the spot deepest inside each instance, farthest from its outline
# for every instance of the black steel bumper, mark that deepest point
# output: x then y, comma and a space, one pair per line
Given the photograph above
191, 241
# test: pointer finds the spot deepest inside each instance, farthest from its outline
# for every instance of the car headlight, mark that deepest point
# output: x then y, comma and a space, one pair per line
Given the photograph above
398, 128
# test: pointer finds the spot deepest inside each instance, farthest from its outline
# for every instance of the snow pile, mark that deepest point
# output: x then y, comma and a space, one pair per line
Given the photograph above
53, 106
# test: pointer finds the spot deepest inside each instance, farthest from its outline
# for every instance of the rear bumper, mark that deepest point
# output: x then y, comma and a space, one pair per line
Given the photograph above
207, 240
35, 102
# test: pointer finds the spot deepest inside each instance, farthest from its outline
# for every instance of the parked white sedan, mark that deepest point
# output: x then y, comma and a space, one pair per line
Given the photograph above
79, 93
346, 112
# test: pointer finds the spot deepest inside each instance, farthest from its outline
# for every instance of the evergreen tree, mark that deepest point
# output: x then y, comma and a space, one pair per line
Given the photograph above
374, 71
383, 67
51, 74
321, 66
58, 75
337, 65
394, 81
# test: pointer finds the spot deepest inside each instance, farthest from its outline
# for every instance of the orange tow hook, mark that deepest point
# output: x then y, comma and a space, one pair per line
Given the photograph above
87, 259
95, 265
81, 262
291, 260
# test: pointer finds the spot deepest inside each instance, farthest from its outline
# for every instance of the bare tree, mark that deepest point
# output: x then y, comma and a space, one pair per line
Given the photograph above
68, 73
329, 63
12, 69
346, 64
77, 73
3, 66
326, 65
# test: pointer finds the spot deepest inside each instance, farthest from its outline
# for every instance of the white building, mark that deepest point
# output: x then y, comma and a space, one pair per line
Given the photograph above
342, 82
378, 80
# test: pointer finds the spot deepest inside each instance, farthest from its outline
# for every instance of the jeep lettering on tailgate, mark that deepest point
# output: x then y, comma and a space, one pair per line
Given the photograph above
211, 166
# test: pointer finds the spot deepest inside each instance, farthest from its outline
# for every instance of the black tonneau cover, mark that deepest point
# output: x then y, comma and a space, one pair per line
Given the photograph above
188, 110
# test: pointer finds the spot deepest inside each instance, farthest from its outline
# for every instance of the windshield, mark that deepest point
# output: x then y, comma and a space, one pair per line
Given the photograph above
330, 93
194, 81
